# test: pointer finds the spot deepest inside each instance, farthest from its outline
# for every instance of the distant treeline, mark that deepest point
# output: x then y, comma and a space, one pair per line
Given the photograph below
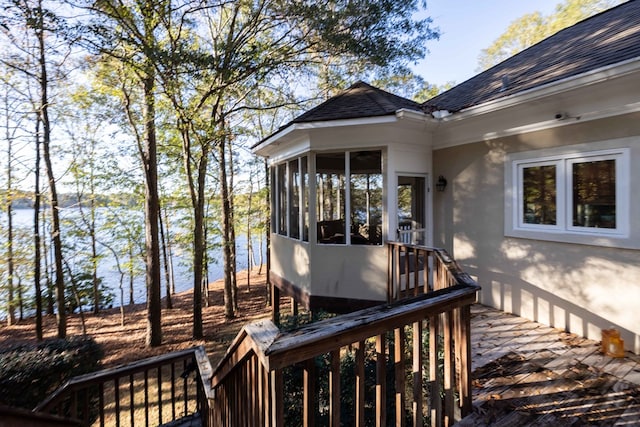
25, 200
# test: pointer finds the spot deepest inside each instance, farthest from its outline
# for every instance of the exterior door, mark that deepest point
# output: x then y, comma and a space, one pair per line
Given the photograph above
412, 217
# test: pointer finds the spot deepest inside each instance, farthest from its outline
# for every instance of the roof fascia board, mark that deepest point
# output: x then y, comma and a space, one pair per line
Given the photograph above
595, 76
539, 126
306, 126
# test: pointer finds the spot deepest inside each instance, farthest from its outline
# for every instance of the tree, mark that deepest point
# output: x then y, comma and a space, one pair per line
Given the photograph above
534, 27
127, 33
42, 28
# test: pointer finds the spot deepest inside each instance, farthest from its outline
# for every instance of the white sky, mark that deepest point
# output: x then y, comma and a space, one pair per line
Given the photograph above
467, 27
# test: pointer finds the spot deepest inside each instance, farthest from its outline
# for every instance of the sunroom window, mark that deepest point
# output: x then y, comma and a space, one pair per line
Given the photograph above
290, 198
349, 197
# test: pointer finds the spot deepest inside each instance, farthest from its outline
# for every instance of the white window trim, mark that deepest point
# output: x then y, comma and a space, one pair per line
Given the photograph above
564, 231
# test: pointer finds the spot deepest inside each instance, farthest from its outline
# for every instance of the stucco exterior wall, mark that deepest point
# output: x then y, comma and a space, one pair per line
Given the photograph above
290, 260
579, 287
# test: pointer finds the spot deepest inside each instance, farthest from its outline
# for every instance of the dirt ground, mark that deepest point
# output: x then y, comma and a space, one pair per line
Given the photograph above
124, 344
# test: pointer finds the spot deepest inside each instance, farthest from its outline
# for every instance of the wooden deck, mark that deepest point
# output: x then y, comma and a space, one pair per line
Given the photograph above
528, 374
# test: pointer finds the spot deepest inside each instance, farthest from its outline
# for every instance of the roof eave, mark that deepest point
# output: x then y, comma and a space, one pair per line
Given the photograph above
592, 77
292, 129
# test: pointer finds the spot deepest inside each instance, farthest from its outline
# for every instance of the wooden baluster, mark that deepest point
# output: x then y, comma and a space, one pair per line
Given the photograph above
309, 393
417, 374
359, 398
116, 398
146, 397
407, 274
434, 373
262, 399
334, 389
428, 271
277, 398
159, 378
464, 349
173, 391
449, 373
416, 272
132, 404
101, 402
399, 337
390, 252
185, 390
381, 382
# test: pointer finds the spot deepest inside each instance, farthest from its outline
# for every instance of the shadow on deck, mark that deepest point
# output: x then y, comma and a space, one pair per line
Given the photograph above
526, 374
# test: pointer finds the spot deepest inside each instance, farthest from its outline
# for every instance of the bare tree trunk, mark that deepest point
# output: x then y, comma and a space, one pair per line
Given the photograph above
268, 232
53, 195
152, 206
232, 228
11, 310
131, 275
36, 237
229, 306
165, 257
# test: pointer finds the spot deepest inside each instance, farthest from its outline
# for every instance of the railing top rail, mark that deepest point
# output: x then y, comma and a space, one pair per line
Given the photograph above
120, 371
284, 349
320, 337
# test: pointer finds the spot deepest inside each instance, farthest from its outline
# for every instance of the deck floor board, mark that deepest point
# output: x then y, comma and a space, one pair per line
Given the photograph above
528, 374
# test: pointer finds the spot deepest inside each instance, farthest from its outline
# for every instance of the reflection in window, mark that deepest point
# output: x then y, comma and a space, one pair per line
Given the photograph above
539, 194
305, 199
366, 197
594, 194
330, 193
281, 178
294, 197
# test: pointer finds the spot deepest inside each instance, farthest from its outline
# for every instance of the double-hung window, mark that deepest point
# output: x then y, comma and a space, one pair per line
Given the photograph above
584, 193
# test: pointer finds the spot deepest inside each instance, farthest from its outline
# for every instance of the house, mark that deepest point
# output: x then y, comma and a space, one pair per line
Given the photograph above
538, 163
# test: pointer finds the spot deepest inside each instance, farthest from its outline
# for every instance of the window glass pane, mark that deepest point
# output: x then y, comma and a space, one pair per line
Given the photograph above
594, 194
539, 195
282, 198
366, 197
305, 199
273, 194
294, 199
330, 181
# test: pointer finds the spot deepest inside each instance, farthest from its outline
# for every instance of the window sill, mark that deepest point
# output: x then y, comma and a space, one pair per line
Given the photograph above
590, 239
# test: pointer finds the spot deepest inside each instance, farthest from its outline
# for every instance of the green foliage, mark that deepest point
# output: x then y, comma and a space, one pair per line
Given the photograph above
534, 27
80, 290
29, 373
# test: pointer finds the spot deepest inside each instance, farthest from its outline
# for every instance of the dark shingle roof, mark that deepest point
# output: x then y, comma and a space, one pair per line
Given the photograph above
608, 38
359, 100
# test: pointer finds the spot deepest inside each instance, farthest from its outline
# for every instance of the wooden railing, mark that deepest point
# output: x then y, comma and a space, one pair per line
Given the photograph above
404, 363
150, 392
414, 269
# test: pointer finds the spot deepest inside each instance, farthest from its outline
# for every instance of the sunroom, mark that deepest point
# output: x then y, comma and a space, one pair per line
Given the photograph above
346, 177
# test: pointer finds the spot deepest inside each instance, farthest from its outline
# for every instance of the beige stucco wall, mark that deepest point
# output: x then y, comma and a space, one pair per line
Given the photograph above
579, 287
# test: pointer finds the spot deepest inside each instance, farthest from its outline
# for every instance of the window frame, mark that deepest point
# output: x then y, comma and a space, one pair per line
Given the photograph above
564, 230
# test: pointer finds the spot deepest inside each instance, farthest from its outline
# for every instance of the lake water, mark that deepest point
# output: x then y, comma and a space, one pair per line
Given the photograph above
108, 272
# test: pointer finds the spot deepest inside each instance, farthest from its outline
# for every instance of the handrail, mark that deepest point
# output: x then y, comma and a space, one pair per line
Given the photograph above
253, 380
100, 395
